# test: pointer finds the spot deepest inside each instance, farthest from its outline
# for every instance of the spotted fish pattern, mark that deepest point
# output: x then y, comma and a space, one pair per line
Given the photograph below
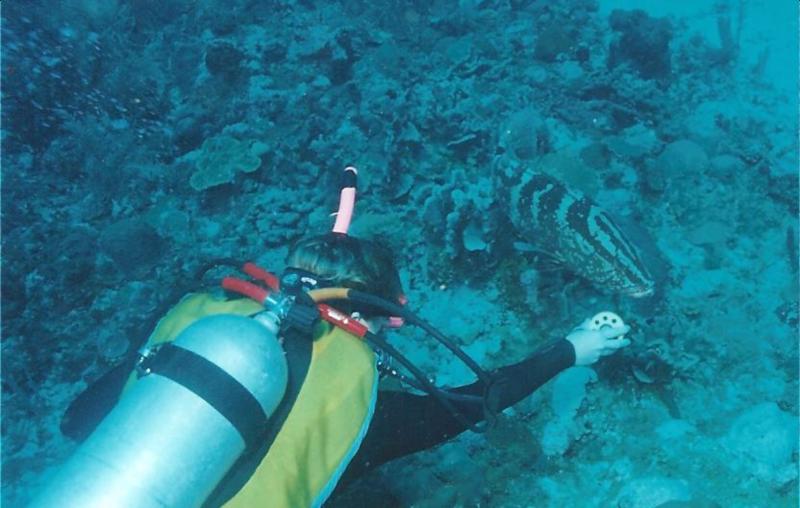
577, 232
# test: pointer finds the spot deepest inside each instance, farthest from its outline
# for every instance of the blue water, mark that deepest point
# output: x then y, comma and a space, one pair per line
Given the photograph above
141, 140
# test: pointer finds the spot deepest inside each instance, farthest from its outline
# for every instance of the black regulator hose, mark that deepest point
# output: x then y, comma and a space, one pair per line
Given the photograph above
488, 400
378, 342
397, 310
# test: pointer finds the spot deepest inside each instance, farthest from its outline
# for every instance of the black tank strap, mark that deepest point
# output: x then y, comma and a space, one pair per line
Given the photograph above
298, 356
212, 384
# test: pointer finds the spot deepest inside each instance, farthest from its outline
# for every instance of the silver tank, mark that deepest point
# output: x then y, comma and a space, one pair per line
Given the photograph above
162, 445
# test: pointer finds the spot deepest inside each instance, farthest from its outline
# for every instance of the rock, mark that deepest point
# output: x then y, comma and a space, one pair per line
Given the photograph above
765, 437
634, 142
525, 134
569, 390
133, 245
783, 189
643, 43
787, 312
682, 158
654, 180
651, 492
551, 42
674, 429
710, 233
224, 60
596, 155
726, 165
571, 169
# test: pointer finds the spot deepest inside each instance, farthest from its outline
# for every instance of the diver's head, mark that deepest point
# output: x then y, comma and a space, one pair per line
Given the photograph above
339, 260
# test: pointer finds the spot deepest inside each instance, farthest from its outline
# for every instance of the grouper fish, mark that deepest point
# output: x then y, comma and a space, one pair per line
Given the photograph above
575, 231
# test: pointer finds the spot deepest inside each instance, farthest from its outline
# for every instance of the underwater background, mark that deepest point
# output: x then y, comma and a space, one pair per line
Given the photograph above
142, 141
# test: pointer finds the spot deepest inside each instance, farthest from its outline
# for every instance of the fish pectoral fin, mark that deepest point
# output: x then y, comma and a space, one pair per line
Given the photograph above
546, 262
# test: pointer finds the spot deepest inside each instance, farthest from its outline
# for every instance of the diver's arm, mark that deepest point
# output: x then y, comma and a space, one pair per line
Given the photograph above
405, 423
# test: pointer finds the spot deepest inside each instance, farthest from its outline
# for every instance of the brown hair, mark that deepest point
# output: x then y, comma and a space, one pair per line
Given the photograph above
350, 262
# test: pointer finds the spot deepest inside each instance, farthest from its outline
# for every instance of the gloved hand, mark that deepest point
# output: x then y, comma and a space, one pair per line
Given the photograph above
591, 345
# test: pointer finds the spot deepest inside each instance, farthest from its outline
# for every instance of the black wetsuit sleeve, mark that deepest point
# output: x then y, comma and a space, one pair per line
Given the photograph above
405, 423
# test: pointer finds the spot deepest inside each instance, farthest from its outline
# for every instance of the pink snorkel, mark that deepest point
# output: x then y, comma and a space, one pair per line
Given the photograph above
347, 203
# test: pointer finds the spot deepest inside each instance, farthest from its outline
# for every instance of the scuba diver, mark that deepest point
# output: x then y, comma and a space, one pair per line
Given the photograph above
267, 394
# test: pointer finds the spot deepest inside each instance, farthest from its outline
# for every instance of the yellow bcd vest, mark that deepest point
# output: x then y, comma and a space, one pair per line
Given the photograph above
326, 424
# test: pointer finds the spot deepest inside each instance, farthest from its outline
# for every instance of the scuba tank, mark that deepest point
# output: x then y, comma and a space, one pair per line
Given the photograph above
202, 401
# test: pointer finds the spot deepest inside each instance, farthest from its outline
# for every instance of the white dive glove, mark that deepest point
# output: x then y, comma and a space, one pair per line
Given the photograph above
592, 344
